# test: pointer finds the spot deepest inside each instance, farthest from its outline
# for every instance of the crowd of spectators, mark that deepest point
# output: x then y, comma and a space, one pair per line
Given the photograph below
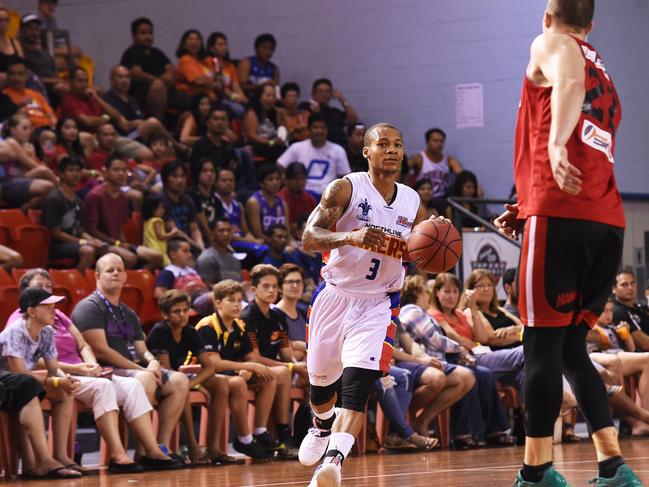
224, 163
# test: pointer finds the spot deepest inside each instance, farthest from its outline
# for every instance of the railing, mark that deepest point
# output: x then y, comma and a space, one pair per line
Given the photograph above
459, 212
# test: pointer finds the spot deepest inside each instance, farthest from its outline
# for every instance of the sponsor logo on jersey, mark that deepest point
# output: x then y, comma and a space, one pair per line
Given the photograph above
595, 59
404, 222
597, 138
365, 211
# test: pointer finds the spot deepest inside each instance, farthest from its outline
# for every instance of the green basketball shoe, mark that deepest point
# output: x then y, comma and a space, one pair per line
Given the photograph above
624, 477
551, 478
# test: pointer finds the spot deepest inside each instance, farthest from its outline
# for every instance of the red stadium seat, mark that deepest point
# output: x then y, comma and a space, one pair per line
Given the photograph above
5, 236
71, 280
17, 274
32, 241
145, 282
8, 297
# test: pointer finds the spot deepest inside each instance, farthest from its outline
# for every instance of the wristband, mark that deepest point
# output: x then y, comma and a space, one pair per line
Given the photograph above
82, 241
290, 367
55, 382
117, 243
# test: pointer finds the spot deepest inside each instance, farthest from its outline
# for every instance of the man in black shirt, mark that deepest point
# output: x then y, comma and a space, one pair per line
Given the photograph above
179, 208
212, 145
354, 147
62, 217
321, 94
135, 124
269, 336
224, 336
626, 309
152, 72
176, 345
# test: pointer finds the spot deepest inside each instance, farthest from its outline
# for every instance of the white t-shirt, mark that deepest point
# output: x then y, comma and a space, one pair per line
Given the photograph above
323, 164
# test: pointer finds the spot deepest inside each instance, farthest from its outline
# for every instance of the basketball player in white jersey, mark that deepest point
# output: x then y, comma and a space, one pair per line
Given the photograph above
361, 226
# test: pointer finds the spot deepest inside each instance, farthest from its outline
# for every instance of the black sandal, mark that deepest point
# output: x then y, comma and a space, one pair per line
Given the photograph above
465, 443
501, 440
55, 473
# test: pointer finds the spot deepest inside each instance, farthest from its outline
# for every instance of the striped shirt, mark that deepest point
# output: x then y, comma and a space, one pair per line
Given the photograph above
427, 332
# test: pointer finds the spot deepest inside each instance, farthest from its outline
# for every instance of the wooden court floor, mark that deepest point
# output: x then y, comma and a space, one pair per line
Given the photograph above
491, 467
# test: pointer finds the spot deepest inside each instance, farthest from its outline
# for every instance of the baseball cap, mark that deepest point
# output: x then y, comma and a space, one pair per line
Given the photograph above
30, 17
34, 296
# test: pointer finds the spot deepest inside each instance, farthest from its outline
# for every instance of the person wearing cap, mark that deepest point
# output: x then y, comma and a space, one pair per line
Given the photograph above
101, 390
324, 160
37, 58
27, 340
300, 203
113, 332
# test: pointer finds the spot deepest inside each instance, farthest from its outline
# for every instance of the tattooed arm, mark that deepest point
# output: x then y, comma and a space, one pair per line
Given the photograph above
318, 235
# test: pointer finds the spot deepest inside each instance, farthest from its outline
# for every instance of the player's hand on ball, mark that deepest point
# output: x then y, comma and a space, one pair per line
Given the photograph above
369, 237
565, 174
508, 223
440, 219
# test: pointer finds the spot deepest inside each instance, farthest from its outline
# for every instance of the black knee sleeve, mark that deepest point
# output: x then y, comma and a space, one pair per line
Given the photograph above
323, 394
356, 386
586, 382
543, 387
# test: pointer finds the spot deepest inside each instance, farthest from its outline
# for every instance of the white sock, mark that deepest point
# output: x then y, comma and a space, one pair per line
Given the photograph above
259, 431
246, 440
342, 442
326, 415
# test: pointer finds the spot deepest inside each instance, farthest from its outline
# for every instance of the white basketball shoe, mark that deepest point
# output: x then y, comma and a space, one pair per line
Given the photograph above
326, 475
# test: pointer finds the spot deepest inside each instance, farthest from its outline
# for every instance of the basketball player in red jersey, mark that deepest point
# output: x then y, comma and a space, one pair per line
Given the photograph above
573, 223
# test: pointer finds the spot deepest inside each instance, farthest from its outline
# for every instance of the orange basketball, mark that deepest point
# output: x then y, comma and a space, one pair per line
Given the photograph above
434, 246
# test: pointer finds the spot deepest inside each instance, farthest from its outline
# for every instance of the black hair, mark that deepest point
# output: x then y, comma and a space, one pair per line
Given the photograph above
289, 86
201, 128
435, 130
265, 38
198, 167
171, 167
159, 137
68, 161
74, 148
220, 107
150, 204
275, 226
353, 126
576, 13
316, 117
214, 36
255, 104
321, 81
13, 60
461, 179
112, 158
372, 132
266, 170
174, 244
135, 25
295, 169
219, 219
181, 50
421, 182
509, 276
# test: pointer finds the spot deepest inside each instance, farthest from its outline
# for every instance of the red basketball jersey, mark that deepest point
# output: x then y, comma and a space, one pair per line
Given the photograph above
590, 148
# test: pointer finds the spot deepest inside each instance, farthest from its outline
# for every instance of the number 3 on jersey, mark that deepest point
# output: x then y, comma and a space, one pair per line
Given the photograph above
374, 269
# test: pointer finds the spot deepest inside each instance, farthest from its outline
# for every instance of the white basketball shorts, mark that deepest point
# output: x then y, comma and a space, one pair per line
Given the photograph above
346, 330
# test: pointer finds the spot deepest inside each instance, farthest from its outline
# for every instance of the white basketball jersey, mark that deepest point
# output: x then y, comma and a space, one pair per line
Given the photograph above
358, 270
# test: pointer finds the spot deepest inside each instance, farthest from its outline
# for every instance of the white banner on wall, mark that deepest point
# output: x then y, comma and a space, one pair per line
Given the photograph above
486, 250
469, 106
